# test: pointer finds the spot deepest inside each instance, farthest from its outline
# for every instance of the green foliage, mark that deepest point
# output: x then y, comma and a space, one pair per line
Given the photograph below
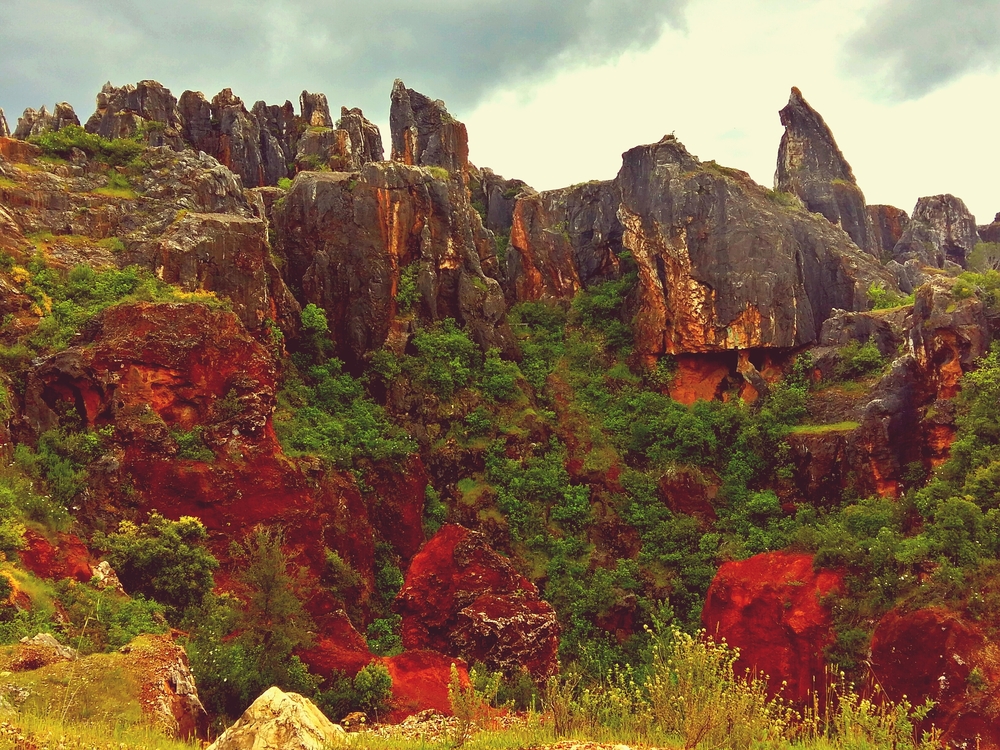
446, 359
435, 511
985, 285
886, 299
62, 458
985, 257
601, 308
407, 293
117, 152
373, 686
164, 560
285, 183
191, 445
383, 635
499, 381
338, 575
98, 621
858, 360
439, 173
328, 414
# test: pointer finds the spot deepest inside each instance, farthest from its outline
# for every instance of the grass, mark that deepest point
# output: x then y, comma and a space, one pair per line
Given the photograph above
822, 429
45, 732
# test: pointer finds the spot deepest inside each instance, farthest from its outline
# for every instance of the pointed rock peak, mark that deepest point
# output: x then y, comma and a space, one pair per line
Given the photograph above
366, 139
941, 230
424, 133
120, 110
315, 110
812, 167
226, 98
4, 130
34, 122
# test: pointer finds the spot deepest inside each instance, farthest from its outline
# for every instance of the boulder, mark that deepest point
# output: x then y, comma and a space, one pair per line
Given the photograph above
35, 652
228, 255
366, 140
461, 598
67, 557
281, 721
346, 238
932, 653
889, 223
4, 128
34, 122
425, 134
987, 233
325, 148
723, 265
315, 110
941, 230
167, 685
121, 111
812, 167
771, 608
283, 125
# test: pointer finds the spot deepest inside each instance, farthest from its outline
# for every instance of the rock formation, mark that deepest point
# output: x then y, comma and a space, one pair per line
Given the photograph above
498, 198
346, 237
888, 223
366, 140
987, 233
931, 653
36, 122
811, 166
167, 685
424, 134
4, 128
770, 607
121, 111
281, 720
68, 557
315, 111
941, 230
462, 598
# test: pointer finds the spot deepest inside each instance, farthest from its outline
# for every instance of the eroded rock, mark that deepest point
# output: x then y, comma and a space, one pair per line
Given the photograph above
941, 230
425, 134
770, 607
122, 111
36, 122
167, 685
462, 598
812, 167
315, 110
889, 223
366, 140
4, 128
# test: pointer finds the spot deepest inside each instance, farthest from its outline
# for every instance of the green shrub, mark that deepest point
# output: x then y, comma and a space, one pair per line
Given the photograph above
383, 635
885, 299
373, 686
446, 359
499, 381
61, 143
858, 360
164, 560
191, 446
285, 183
407, 293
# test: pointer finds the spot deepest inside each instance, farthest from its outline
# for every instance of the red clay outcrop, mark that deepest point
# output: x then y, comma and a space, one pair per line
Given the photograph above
937, 654
68, 557
460, 597
770, 606
420, 681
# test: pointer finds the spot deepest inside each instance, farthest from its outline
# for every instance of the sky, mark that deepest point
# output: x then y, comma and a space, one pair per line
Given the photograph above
553, 91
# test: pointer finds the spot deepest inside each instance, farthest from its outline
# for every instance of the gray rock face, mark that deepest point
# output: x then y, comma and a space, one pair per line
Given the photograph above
320, 148
282, 123
812, 167
36, 122
315, 110
4, 129
347, 236
121, 111
498, 197
424, 134
366, 140
987, 232
941, 229
889, 223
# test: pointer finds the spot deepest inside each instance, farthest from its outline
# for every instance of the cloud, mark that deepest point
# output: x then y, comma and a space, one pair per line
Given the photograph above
457, 50
909, 48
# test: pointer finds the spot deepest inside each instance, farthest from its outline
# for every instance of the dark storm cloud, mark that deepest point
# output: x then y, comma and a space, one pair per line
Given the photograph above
908, 48
458, 50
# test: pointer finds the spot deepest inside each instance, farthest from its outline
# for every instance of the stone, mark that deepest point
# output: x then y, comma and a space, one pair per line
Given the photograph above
103, 576
987, 233
167, 685
325, 148
366, 140
34, 122
38, 651
68, 557
281, 721
425, 134
315, 110
498, 197
770, 608
121, 111
461, 598
812, 167
941, 229
282, 123
889, 223
420, 682
346, 237
930, 653
4, 128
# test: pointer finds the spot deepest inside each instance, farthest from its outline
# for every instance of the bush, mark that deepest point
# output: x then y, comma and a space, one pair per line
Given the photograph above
886, 299
61, 143
164, 560
407, 293
858, 360
373, 686
499, 381
446, 359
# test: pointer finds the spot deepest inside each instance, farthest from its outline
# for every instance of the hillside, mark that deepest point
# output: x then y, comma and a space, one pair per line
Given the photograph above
362, 427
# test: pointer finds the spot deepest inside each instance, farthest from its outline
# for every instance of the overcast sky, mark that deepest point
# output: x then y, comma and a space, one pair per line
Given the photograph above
554, 91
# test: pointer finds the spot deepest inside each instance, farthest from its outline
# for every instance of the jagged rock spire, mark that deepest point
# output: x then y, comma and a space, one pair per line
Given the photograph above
812, 167
4, 130
424, 133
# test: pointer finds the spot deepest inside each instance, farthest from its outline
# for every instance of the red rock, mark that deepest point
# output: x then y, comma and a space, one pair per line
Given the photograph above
700, 377
770, 607
18, 151
338, 648
462, 598
420, 681
930, 653
67, 558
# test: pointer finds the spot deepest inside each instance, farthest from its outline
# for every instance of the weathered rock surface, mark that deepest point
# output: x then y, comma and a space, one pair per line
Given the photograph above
315, 110
498, 197
987, 233
889, 223
424, 134
346, 237
941, 230
4, 127
931, 653
167, 685
462, 598
420, 682
121, 111
770, 607
36, 122
281, 721
34, 653
68, 557
366, 140
812, 167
